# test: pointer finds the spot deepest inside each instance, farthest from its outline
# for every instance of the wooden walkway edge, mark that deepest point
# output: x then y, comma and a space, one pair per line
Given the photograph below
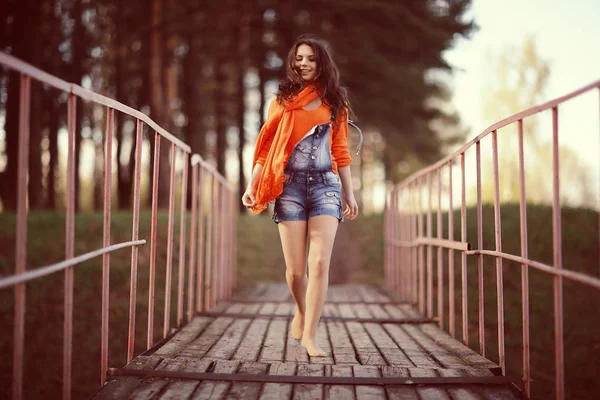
377, 348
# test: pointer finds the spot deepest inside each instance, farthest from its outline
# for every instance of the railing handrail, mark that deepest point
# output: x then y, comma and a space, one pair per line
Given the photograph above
215, 253
410, 271
69, 87
500, 124
12, 280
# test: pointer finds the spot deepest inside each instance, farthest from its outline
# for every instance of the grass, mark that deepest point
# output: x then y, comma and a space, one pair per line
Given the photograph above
358, 257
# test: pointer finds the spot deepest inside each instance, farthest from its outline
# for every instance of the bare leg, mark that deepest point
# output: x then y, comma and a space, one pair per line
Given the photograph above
293, 242
321, 233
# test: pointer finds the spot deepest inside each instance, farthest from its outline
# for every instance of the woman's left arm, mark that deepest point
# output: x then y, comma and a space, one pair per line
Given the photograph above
351, 207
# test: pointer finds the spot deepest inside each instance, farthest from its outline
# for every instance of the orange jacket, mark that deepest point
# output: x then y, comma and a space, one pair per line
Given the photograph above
286, 124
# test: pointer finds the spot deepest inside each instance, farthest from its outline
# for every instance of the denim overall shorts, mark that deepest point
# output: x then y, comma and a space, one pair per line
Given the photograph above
311, 187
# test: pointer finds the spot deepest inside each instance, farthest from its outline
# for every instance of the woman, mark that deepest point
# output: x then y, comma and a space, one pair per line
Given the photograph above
301, 153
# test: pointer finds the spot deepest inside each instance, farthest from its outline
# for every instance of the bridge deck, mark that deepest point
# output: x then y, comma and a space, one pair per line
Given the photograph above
377, 349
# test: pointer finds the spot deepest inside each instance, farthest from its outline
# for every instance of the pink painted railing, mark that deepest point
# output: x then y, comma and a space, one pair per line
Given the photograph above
409, 241
211, 260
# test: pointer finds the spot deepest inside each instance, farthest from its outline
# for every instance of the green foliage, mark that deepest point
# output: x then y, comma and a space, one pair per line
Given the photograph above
260, 259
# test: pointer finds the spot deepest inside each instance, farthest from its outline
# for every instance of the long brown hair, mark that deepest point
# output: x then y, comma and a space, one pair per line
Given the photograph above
327, 80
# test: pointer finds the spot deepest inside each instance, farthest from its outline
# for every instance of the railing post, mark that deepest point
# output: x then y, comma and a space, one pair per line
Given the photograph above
429, 250
440, 253
169, 269
135, 230
557, 251
194, 217
69, 247
110, 116
463, 238
154, 229
21, 238
209, 234
498, 238
480, 288
200, 264
182, 228
524, 267
451, 286
413, 237
421, 265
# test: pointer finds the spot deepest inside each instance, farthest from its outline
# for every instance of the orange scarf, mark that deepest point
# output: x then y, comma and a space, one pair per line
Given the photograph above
280, 124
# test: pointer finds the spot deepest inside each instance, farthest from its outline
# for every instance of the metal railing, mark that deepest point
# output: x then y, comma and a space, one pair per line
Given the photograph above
212, 245
410, 242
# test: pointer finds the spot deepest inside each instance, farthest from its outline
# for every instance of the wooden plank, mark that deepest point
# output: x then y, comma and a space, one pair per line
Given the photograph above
323, 342
178, 390
251, 344
184, 337
366, 351
201, 345
345, 310
216, 389
353, 293
387, 347
428, 392
367, 293
398, 392
361, 311
339, 392
378, 311
306, 391
342, 349
151, 387
417, 355
294, 352
121, 387
395, 311
276, 292
385, 295
183, 389
117, 388
279, 391
364, 391
494, 392
468, 392
144, 362
268, 308
444, 356
227, 345
248, 390
457, 348
275, 341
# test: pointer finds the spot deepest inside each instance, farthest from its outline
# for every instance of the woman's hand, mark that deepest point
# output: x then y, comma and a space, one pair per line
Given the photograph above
351, 208
249, 196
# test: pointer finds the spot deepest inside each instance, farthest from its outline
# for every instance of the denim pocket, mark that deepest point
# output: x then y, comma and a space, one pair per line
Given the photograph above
333, 197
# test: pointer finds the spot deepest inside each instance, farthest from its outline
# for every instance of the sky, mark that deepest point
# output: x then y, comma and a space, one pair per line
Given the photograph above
567, 34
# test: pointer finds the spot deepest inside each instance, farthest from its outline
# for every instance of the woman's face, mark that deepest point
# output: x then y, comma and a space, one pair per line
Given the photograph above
306, 63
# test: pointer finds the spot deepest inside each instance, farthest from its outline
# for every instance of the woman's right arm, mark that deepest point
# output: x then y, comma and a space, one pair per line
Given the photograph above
249, 196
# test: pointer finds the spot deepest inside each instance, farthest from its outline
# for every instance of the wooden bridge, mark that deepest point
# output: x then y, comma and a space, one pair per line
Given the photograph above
380, 344
378, 348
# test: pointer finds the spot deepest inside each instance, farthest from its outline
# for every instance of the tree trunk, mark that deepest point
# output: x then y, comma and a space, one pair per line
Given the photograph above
220, 114
53, 126
157, 101
20, 39
36, 187
78, 51
244, 35
8, 178
192, 133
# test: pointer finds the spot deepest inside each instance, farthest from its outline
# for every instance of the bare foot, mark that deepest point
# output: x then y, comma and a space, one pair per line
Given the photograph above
297, 326
313, 349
